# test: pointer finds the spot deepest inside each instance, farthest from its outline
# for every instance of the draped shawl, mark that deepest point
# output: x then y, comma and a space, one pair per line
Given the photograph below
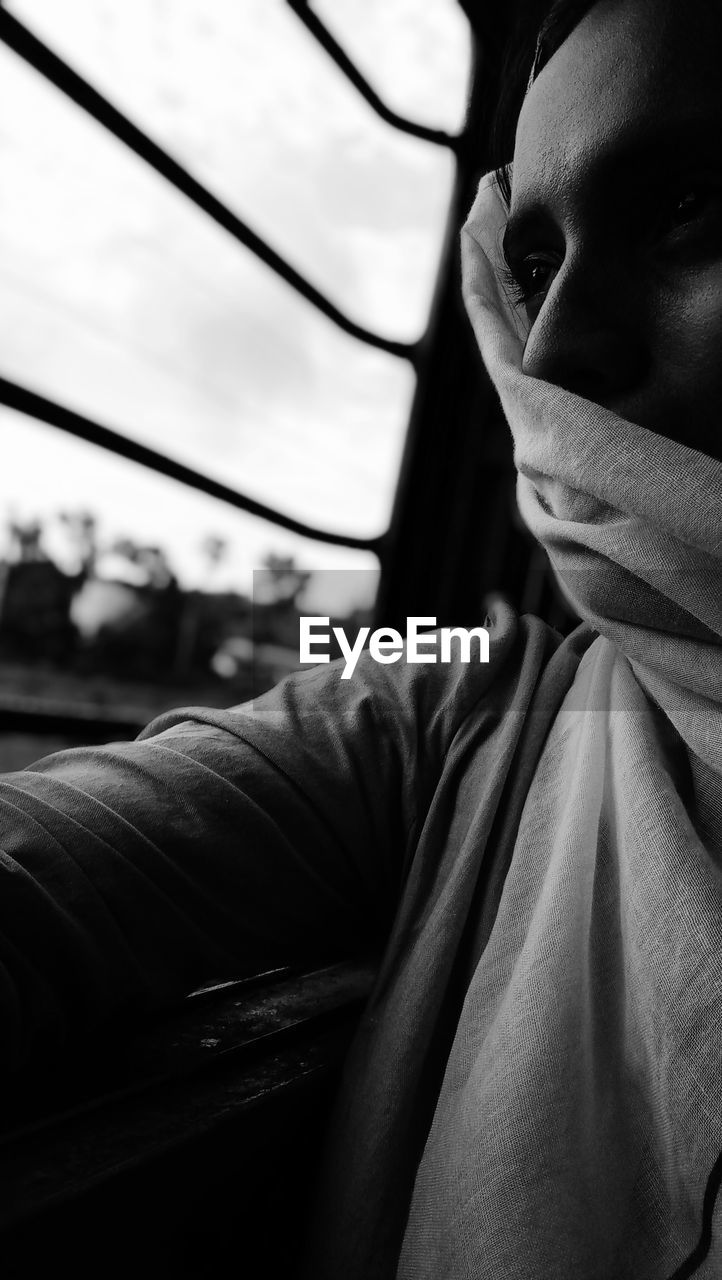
580, 1116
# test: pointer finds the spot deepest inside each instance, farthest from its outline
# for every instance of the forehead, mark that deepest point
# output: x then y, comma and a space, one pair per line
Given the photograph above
632, 76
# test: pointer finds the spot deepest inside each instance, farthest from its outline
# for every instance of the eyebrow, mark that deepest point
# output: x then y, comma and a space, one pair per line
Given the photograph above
632, 161
512, 234
518, 227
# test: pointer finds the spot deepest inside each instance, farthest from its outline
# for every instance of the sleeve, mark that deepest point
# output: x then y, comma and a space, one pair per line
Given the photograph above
217, 843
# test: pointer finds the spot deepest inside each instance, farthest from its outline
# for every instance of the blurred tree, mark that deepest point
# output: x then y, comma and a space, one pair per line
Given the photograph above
35, 597
150, 564
280, 581
26, 541
214, 551
81, 529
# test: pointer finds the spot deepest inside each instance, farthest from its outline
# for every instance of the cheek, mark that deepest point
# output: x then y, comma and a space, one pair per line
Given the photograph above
689, 358
701, 305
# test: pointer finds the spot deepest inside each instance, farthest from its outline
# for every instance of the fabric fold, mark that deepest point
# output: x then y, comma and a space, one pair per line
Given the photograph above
580, 1114
631, 520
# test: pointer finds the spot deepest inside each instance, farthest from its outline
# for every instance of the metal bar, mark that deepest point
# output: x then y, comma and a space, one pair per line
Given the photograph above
36, 406
457, 454
322, 34
18, 38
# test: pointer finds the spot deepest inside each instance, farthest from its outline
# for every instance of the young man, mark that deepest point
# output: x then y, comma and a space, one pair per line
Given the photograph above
532, 846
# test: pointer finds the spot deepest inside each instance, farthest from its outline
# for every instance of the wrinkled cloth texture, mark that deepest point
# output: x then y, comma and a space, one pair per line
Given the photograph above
328, 819
580, 1114
456, 860
531, 848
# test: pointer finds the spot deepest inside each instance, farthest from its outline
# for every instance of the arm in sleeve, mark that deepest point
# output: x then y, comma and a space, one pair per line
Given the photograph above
219, 842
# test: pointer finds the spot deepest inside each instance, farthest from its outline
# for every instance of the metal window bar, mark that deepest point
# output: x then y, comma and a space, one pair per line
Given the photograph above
331, 46
16, 36
436, 443
36, 406
20, 39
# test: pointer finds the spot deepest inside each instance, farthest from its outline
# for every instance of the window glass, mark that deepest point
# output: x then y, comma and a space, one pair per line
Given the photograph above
247, 100
416, 57
129, 500
123, 593
125, 302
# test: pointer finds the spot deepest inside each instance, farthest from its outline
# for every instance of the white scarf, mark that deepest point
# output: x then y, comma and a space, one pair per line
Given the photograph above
581, 1111
636, 534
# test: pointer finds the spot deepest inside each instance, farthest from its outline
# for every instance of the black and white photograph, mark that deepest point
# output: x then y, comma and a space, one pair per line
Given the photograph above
361, 639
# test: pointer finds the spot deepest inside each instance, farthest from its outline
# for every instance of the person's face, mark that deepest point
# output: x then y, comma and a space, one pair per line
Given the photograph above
615, 232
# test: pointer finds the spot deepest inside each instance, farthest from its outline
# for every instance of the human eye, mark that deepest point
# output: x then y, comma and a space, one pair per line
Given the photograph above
529, 278
693, 206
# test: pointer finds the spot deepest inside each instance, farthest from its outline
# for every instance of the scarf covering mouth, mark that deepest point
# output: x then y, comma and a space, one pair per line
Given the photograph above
631, 521
579, 1122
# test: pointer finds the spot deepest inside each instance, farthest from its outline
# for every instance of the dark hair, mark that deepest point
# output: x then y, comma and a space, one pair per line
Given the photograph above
529, 52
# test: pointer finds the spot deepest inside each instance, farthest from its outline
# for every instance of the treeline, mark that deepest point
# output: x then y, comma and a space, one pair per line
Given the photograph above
72, 600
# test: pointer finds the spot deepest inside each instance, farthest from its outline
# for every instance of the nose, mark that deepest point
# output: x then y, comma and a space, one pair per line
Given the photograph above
583, 338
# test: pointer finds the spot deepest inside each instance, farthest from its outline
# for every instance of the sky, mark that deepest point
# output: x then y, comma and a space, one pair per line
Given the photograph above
121, 300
